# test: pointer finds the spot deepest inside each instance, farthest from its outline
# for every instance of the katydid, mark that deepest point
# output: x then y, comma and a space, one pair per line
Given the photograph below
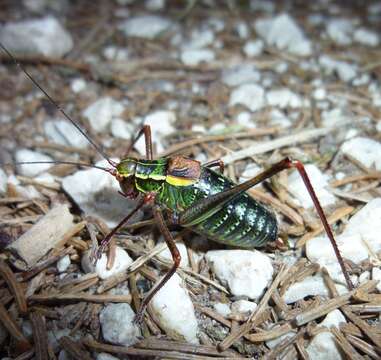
194, 196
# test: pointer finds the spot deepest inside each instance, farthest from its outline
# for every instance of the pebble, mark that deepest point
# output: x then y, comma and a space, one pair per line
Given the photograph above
240, 74
118, 327
155, 5
366, 37
3, 182
194, 57
115, 53
319, 182
243, 306
244, 119
364, 150
63, 263
173, 310
333, 116
323, 345
96, 193
145, 26
340, 31
121, 263
63, 133
78, 85
253, 48
28, 191
242, 29
309, 286
105, 356
200, 39
344, 70
284, 33
161, 122
245, 272
44, 36
101, 112
250, 171
283, 98
376, 275
222, 309
278, 118
32, 170
250, 95
122, 129
166, 254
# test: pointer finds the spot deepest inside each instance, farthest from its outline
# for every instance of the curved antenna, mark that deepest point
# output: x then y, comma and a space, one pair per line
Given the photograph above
111, 171
57, 106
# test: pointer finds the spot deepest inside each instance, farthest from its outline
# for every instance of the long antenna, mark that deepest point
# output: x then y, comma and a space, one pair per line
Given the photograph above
58, 107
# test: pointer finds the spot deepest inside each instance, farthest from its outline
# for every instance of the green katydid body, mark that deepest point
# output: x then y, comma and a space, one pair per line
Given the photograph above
179, 183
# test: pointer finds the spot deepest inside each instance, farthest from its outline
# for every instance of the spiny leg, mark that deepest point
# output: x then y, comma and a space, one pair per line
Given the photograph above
214, 163
175, 256
109, 236
146, 130
207, 207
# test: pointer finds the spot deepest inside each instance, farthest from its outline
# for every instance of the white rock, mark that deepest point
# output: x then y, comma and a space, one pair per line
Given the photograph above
166, 254
63, 263
145, 26
96, 193
319, 182
78, 85
245, 272
319, 94
344, 70
376, 275
200, 39
244, 119
364, 150
365, 276
43, 36
63, 133
340, 31
311, 285
283, 32
115, 53
283, 98
30, 156
121, 263
274, 342
118, 327
250, 95
333, 116
366, 37
222, 309
161, 123
176, 318
278, 118
105, 356
242, 29
101, 112
122, 129
3, 182
193, 57
243, 306
253, 48
250, 171
240, 74
323, 345
28, 192
155, 5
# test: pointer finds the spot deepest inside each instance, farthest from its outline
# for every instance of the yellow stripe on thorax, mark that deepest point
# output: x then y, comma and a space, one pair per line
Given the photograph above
179, 181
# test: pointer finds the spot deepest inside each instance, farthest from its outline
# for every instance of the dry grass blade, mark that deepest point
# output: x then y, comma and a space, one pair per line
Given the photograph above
40, 336
72, 298
273, 354
271, 334
348, 349
7, 274
364, 347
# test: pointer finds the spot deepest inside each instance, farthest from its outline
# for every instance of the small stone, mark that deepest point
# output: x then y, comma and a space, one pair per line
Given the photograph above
278, 118
319, 94
101, 112
63, 133
31, 170
243, 306
364, 150
250, 171
105, 356
242, 30
222, 309
319, 182
173, 310
78, 85
166, 254
145, 26
200, 39
114, 53
247, 273
365, 276
284, 33
44, 36
240, 74
283, 98
122, 129
3, 182
96, 193
63, 263
161, 123
244, 119
155, 5
376, 275
193, 57
118, 327
344, 70
366, 37
121, 263
340, 31
333, 116
250, 95
253, 48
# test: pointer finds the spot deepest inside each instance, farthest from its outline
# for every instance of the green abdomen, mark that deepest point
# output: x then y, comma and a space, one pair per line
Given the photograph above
242, 222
